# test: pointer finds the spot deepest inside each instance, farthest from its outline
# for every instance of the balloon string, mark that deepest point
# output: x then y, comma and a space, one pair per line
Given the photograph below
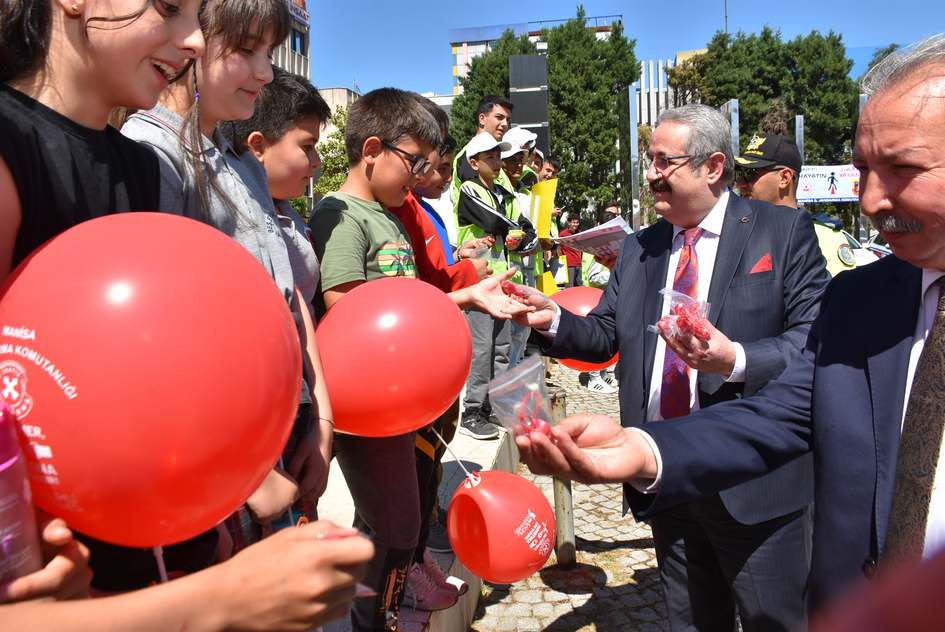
159, 558
450, 450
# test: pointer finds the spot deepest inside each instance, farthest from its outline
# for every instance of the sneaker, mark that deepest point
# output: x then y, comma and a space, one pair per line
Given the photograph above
610, 378
598, 385
434, 572
438, 539
478, 428
423, 593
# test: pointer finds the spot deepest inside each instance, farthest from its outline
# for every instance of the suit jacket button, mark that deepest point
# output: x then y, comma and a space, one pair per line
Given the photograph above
869, 568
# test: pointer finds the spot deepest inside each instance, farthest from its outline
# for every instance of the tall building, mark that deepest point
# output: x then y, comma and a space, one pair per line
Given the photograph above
292, 54
468, 43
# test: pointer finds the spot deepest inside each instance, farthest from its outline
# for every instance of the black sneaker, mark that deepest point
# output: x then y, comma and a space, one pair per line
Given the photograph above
478, 428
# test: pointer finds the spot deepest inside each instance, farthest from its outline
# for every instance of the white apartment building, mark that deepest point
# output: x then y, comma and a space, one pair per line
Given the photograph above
292, 55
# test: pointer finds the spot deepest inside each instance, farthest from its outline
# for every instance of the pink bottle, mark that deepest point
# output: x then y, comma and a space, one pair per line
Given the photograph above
19, 539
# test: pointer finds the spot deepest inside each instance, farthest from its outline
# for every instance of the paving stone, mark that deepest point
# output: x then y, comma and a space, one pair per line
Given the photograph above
527, 596
529, 624
579, 600
507, 625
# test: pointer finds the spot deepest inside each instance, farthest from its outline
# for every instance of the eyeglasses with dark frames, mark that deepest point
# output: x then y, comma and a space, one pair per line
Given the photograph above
419, 165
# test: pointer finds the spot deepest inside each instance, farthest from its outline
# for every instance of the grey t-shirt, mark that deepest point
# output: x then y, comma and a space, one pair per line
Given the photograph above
298, 241
255, 225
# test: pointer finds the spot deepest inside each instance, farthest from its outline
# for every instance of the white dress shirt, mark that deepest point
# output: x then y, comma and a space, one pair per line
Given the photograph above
706, 247
935, 529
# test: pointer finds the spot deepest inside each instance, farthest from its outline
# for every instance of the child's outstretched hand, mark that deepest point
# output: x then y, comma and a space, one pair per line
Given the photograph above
541, 310
489, 297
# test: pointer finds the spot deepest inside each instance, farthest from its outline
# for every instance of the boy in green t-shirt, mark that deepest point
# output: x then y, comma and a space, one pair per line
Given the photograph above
389, 139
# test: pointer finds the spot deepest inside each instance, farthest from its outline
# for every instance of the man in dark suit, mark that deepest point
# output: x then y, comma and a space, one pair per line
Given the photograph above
760, 269
867, 393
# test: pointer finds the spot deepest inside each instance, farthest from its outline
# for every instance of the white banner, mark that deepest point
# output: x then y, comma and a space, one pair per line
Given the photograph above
832, 183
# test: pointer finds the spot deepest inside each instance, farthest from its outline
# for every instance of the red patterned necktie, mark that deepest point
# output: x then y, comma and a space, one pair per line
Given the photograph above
674, 392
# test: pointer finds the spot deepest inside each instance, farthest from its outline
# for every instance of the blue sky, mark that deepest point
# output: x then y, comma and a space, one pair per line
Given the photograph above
406, 44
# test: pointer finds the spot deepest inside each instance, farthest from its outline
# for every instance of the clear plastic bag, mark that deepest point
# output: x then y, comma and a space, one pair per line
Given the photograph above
520, 399
686, 316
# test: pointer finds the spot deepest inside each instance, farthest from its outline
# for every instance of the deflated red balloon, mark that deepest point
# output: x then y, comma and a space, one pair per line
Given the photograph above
581, 300
155, 371
500, 526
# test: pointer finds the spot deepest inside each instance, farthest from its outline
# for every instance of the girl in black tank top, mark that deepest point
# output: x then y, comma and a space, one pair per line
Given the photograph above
61, 163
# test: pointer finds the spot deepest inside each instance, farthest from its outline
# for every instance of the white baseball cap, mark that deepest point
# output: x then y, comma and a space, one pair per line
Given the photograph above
484, 141
519, 139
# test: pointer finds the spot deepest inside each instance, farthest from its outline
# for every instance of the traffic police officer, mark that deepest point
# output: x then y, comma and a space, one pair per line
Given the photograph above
768, 170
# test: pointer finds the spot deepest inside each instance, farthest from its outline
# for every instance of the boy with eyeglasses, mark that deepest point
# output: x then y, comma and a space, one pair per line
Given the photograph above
389, 139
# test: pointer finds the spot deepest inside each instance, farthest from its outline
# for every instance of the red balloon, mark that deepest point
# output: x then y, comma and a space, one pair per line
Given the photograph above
154, 368
581, 300
396, 353
500, 526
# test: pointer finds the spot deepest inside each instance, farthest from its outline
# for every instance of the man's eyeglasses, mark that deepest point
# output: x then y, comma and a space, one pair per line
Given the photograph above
750, 176
419, 165
662, 163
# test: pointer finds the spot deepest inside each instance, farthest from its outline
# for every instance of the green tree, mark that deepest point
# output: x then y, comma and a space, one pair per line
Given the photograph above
688, 81
880, 54
587, 83
770, 77
488, 74
334, 167
820, 88
588, 105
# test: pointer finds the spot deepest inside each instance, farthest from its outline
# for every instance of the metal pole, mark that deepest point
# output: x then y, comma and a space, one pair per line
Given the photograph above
634, 158
565, 548
725, 5
730, 109
858, 212
799, 135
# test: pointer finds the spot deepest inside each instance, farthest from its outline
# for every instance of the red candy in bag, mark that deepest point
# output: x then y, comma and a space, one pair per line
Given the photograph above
686, 317
520, 399
517, 291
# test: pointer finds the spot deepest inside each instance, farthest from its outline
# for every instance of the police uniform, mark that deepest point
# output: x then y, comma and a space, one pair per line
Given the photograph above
835, 247
773, 150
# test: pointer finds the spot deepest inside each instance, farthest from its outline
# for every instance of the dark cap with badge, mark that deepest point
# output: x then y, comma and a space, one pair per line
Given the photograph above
770, 150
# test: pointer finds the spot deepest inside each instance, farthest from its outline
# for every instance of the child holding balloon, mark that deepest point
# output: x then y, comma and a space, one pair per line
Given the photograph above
59, 162
206, 178
64, 66
390, 140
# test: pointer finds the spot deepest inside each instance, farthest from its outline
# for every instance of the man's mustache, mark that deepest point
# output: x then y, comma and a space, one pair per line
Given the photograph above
893, 223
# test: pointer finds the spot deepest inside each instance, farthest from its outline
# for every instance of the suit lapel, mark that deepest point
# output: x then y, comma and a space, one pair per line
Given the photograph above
656, 259
736, 230
888, 349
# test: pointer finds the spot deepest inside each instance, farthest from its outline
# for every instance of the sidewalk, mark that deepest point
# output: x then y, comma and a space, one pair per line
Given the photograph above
615, 585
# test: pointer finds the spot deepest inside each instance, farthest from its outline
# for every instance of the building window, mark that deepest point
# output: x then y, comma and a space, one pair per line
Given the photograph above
299, 42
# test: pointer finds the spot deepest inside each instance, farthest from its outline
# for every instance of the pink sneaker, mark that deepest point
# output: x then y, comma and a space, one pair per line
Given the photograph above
423, 593
433, 570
